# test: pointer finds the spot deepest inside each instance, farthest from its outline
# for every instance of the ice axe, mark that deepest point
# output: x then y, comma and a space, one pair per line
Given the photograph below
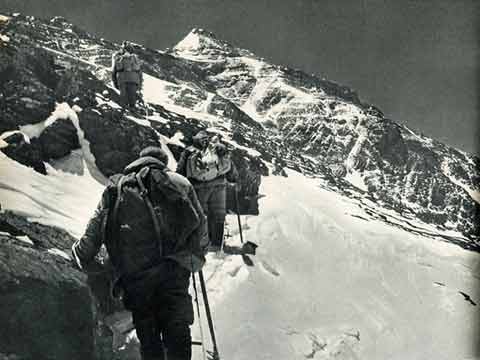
247, 247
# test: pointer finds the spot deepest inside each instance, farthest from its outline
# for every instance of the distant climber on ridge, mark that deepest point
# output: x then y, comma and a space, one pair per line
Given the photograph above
127, 75
208, 166
155, 232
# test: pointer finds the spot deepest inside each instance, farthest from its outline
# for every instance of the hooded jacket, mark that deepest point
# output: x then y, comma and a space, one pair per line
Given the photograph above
194, 164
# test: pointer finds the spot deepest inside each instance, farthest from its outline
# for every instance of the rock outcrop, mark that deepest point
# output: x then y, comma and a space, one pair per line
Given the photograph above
47, 307
26, 153
59, 139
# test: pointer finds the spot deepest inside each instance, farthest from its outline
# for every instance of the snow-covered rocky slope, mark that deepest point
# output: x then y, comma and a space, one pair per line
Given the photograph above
310, 123
326, 121
359, 255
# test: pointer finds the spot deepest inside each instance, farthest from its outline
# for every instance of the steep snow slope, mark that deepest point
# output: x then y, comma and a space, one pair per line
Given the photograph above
328, 285
60, 199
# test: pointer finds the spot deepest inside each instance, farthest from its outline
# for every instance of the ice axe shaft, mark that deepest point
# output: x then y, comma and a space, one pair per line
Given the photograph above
214, 355
248, 247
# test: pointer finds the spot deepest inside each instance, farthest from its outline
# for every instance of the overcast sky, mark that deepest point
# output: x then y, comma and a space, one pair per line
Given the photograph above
418, 61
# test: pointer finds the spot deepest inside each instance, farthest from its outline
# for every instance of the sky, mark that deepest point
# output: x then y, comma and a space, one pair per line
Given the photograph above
418, 61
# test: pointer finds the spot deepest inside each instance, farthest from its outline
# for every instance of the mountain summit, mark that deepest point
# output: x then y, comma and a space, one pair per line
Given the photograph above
199, 40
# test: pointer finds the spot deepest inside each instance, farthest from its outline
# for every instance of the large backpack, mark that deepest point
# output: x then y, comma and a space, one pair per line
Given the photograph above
144, 225
128, 62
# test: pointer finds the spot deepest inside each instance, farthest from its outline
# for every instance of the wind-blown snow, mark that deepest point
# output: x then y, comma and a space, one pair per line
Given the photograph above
327, 285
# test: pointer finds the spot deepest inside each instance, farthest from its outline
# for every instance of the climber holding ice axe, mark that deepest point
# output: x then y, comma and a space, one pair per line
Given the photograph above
208, 166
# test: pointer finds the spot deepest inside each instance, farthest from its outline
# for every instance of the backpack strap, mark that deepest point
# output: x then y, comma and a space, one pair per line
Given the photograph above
117, 200
144, 194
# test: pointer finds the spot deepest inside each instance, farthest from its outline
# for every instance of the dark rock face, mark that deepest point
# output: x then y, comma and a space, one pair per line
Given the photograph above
389, 142
33, 78
28, 154
42, 236
115, 141
59, 139
47, 310
27, 83
51, 309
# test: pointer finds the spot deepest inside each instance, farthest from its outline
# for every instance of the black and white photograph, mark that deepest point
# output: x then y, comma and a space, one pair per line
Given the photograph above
239, 180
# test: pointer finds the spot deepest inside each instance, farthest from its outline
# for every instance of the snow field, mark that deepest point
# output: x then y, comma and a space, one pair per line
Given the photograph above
59, 199
330, 286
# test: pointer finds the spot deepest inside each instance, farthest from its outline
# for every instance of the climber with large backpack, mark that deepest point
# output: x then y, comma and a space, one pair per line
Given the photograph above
155, 233
127, 75
207, 165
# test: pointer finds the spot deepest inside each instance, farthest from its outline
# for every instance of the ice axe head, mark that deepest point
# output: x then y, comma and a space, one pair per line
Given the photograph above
213, 355
249, 248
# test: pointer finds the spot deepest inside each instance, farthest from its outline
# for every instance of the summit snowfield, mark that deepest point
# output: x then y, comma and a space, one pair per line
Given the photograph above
368, 248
